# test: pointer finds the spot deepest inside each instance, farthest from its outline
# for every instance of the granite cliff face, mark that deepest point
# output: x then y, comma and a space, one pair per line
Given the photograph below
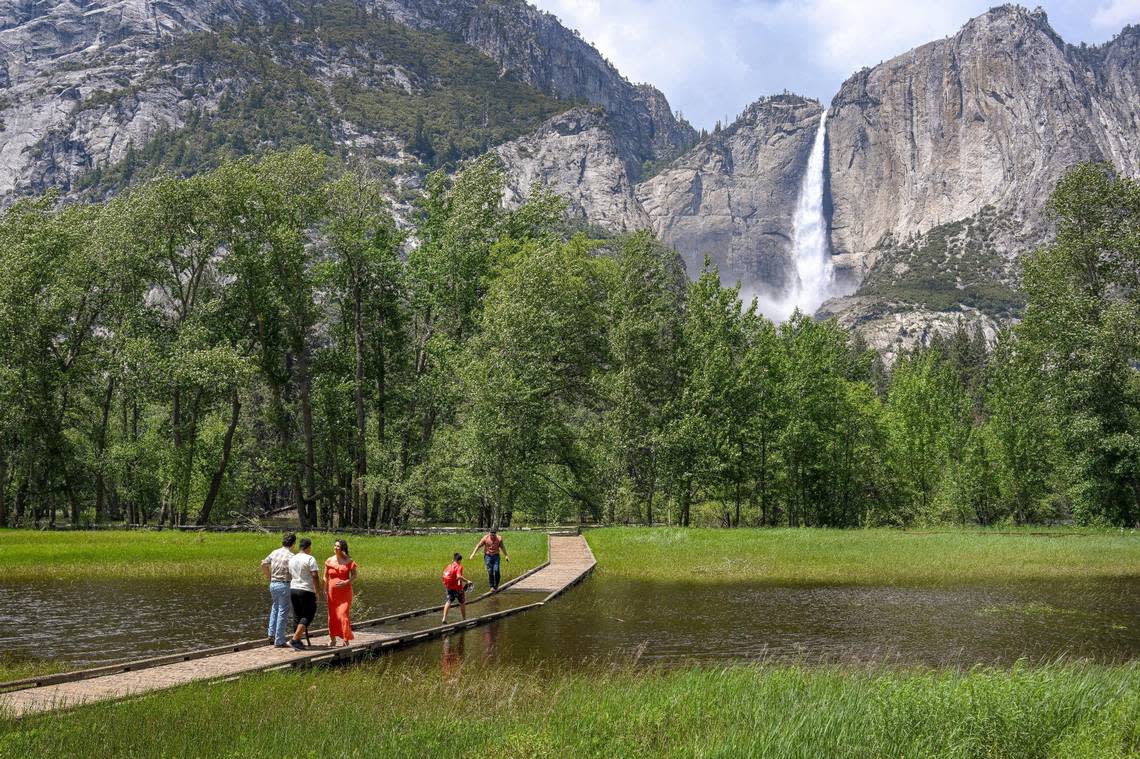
56, 52
733, 196
575, 155
85, 83
536, 47
942, 159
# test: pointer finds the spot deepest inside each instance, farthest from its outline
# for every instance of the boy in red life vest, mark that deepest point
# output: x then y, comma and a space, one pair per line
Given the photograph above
456, 585
492, 546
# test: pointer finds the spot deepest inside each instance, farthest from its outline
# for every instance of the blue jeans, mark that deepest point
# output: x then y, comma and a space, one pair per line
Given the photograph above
492, 563
279, 612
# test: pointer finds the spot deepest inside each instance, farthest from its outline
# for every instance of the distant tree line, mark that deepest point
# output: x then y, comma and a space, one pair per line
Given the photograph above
264, 336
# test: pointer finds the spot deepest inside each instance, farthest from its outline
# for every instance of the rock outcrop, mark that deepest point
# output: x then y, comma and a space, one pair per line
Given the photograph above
892, 327
733, 196
534, 46
575, 155
990, 117
942, 159
62, 60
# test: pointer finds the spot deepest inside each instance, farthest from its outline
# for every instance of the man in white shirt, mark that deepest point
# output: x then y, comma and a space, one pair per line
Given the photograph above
304, 579
275, 567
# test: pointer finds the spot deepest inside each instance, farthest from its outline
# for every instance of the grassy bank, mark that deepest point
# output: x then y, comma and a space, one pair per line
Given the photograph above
230, 558
860, 557
398, 710
773, 556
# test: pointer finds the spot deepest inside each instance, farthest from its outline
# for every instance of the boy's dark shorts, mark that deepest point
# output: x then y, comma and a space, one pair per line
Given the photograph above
304, 606
455, 596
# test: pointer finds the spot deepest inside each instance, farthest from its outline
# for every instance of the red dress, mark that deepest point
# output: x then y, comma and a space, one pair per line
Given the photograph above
340, 599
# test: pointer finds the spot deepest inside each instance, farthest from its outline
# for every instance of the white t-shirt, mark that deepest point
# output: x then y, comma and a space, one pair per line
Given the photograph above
301, 569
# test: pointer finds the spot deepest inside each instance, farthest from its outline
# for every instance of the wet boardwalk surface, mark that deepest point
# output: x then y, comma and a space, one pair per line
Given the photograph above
570, 560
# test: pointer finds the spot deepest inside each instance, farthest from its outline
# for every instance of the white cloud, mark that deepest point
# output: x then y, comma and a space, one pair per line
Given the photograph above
853, 35
1115, 14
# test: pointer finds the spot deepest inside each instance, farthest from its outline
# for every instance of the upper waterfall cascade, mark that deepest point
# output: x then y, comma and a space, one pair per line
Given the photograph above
811, 251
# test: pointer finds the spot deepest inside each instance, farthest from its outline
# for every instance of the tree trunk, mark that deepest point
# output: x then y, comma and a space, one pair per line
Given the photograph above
3, 489
308, 499
649, 501
220, 472
737, 522
187, 474
100, 448
176, 435
359, 491
21, 500
72, 496
764, 519
686, 497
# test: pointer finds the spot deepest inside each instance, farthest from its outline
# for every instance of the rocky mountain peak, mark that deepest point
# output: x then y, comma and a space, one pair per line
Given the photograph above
774, 106
535, 46
1009, 26
942, 158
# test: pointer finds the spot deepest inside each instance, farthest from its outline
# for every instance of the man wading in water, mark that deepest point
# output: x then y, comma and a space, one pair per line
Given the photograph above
492, 546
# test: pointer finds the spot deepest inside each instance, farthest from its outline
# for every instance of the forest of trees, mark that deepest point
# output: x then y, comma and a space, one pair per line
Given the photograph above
265, 335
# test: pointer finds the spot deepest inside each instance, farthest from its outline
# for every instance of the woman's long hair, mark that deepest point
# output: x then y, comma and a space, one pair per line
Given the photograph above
344, 547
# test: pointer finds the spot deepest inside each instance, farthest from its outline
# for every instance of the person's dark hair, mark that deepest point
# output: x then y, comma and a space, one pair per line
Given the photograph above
494, 531
459, 557
305, 543
288, 540
343, 545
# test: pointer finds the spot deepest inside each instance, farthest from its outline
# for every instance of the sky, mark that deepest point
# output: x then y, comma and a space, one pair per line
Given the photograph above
711, 58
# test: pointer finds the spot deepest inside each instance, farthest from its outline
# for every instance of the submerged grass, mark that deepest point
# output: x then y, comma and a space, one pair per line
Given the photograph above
861, 557
398, 709
231, 558
13, 668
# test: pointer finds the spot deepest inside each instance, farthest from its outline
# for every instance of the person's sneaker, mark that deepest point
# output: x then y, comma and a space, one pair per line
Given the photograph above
280, 645
297, 645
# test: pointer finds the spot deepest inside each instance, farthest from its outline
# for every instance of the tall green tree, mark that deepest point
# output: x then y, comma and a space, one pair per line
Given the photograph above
645, 309
530, 366
368, 278
1083, 319
269, 207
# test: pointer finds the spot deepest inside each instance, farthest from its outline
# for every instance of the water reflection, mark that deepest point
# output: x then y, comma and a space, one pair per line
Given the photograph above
622, 621
626, 622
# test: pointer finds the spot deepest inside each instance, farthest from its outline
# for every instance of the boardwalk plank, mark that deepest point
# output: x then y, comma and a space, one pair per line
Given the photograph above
570, 560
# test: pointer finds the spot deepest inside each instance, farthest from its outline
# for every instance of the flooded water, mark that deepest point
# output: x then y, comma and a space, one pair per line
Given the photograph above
615, 621
620, 621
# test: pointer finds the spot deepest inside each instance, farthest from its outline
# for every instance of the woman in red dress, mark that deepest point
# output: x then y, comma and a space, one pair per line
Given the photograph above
340, 571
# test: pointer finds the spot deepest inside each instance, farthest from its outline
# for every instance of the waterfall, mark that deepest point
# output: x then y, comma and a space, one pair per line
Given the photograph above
812, 281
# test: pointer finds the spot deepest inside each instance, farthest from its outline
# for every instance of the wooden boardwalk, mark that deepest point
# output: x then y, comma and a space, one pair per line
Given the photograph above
570, 561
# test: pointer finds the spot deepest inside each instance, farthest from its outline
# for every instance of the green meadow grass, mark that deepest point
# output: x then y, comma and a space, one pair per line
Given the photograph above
12, 668
860, 557
770, 556
230, 558
396, 709
401, 708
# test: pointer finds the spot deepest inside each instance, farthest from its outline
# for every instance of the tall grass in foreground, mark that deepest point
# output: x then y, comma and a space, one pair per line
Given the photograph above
859, 557
771, 711
231, 558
